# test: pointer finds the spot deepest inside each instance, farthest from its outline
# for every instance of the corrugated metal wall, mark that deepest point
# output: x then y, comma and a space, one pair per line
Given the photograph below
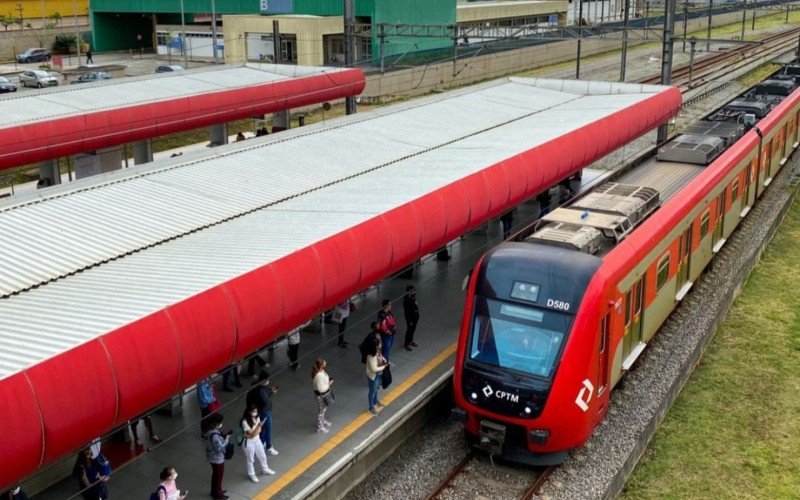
412, 12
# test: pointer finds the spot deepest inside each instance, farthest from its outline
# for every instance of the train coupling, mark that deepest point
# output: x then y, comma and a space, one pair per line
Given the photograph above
492, 437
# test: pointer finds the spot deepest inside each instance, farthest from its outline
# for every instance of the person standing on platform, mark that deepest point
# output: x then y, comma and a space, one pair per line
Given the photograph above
388, 327
215, 454
293, 348
16, 493
209, 403
89, 59
232, 371
372, 338
507, 219
411, 313
260, 396
341, 315
253, 447
322, 383
167, 489
375, 366
148, 423
91, 483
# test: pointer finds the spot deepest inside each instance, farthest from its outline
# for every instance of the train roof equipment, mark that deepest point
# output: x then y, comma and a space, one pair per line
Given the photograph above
609, 212
729, 132
775, 87
692, 148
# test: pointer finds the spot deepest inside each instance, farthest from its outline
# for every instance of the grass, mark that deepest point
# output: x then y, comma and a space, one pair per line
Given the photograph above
734, 430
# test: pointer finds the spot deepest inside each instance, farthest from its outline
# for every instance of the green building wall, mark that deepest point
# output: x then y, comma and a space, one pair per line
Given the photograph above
436, 12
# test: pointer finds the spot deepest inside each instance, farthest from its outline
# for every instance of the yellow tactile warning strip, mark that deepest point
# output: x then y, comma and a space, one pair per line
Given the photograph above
313, 457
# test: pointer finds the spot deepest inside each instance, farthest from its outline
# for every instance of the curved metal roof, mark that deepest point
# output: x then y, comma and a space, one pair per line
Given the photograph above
160, 275
65, 120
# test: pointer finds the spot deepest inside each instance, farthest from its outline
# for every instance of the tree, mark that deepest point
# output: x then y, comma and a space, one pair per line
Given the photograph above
55, 16
7, 21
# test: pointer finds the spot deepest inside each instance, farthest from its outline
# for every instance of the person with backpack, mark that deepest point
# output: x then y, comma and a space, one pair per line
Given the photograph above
251, 426
209, 403
167, 488
372, 338
260, 396
388, 327
216, 445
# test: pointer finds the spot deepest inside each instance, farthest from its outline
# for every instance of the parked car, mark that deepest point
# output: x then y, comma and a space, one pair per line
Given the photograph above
37, 78
92, 76
168, 68
6, 86
34, 55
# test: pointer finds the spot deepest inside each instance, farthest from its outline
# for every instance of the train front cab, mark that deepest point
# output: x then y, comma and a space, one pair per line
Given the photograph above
516, 394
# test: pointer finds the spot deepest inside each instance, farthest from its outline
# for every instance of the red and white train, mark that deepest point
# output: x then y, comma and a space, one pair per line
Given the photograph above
552, 323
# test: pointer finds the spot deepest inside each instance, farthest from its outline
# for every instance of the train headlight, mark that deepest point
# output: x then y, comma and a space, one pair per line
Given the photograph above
527, 410
539, 436
474, 396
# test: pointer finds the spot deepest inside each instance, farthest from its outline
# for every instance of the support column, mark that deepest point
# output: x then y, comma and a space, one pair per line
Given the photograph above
98, 162
173, 407
280, 121
218, 134
142, 151
49, 174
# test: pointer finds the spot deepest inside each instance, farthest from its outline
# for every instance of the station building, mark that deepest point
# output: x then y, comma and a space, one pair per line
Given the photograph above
310, 31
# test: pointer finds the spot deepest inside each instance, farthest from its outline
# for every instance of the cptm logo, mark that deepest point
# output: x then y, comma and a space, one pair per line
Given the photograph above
585, 395
506, 396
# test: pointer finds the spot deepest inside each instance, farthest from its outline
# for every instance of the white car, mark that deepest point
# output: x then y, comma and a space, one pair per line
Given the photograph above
37, 78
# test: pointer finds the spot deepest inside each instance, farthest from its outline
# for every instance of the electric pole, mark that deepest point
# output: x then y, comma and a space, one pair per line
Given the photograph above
666, 58
349, 48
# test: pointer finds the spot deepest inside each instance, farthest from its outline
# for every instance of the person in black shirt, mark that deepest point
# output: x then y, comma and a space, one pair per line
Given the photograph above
411, 312
260, 396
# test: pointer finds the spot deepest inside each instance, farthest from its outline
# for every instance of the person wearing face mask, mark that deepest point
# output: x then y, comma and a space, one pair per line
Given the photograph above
253, 448
167, 488
16, 493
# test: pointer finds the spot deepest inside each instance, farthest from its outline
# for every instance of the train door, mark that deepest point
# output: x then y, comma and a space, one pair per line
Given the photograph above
719, 221
602, 365
633, 321
748, 184
684, 254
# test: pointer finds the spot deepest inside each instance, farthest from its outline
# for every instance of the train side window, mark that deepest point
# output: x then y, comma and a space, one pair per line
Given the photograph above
704, 223
735, 190
662, 275
628, 308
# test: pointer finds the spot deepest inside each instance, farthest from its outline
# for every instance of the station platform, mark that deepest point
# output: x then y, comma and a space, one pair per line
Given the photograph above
306, 458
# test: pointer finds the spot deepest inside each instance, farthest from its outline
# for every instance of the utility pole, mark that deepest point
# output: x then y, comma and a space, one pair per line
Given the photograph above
183, 39
624, 62
77, 32
666, 58
708, 31
685, 22
580, 34
276, 42
21, 20
349, 48
692, 42
744, 16
214, 30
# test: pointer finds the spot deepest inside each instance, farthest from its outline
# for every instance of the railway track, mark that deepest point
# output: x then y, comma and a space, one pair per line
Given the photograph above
715, 66
468, 480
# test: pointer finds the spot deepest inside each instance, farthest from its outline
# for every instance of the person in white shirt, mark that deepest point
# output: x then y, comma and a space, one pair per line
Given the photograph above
341, 314
253, 448
375, 366
293, 346
322, 390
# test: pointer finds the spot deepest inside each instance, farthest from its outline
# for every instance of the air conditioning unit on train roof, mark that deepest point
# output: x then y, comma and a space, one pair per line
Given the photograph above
729, 132
560, 234
691, 148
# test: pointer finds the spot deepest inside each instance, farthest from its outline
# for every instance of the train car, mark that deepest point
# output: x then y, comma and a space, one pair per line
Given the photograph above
554, 318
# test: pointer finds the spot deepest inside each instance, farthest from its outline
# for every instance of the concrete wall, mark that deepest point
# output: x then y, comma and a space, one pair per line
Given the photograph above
434, 77
480, 11
25, 39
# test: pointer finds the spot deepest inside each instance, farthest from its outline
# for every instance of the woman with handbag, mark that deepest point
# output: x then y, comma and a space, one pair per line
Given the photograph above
253, 448
375, 366
322, 391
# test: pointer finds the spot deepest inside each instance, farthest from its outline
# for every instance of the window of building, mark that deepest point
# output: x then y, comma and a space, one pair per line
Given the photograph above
662, 275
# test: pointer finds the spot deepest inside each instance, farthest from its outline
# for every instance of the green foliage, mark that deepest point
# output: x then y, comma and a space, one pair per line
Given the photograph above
56, 17
7, 21
64, 44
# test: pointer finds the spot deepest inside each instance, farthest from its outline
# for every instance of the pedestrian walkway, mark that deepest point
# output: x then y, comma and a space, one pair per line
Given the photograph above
304, 455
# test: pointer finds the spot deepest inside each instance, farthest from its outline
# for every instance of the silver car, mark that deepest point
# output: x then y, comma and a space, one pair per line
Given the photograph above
37, 78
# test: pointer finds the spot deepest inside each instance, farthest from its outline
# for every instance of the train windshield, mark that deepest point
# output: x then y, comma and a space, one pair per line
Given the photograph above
517, 337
